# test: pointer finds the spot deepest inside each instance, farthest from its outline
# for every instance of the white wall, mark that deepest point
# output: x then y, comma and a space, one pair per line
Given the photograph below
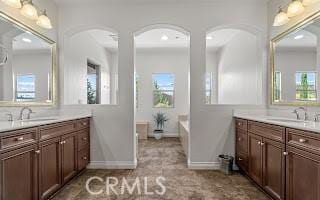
113, 141
238, 71
289, 62
175, 61
81, 48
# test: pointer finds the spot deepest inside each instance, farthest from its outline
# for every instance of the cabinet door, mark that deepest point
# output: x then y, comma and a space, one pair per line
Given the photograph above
274, 168
303, 175
255, 158
69, 156
242, 141
49, 167
19, 174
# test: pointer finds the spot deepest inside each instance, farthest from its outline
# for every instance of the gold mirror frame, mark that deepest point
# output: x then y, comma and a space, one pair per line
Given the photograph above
273, 42
53, 44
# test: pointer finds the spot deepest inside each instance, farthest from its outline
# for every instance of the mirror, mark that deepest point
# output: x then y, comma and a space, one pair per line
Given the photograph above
233, 67
91, 58
296, 64
26, 65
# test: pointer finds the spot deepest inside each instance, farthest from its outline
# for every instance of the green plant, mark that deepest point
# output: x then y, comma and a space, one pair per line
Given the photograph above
304, 86
159, 119
91, 93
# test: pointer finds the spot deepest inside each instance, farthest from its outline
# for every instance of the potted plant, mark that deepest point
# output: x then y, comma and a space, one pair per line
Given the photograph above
159, 119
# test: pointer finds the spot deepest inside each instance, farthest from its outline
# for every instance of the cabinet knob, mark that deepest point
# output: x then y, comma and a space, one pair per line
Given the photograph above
84, 123
84, 158
240, 159
302, 140
239, 123
239, 139
259, 143
84, 139
262, 143
63, 142
285, 153
37, 152
19, 139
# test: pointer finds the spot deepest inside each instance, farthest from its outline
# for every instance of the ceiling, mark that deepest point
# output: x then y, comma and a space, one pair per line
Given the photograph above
299, 39
220, 38
27, 41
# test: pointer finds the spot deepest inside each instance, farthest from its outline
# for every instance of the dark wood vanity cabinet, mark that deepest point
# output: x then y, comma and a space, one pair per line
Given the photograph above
48, 158
265, 158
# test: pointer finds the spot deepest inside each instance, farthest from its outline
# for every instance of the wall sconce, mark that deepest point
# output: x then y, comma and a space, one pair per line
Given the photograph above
44, 20
28, 10
281, 18
295, 8
309, 2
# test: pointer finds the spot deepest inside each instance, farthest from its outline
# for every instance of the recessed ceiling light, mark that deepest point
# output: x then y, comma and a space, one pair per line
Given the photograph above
298, 37
26, 40
164, 37
209, 37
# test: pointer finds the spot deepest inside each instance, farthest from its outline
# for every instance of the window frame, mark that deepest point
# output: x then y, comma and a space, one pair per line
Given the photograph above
29, 92
315, 86
173, 91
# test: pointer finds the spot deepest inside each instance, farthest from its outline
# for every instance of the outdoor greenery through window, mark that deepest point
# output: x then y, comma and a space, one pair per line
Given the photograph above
306, 86
25, 87
163, 90
208, 87
277, 86
92, 86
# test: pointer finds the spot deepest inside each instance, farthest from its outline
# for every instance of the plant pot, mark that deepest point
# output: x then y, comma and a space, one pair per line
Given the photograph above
157, 134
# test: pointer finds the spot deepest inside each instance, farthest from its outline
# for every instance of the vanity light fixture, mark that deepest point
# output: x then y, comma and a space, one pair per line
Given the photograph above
44, 21
295, 8
28, 10
298, 37
164, 37
281, 18
13, 3
309, 2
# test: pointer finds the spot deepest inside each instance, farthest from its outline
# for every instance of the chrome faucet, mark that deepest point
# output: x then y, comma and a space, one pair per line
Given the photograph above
22, 110
298, 115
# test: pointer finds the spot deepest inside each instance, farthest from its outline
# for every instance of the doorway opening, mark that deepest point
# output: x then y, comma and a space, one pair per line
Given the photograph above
162, 68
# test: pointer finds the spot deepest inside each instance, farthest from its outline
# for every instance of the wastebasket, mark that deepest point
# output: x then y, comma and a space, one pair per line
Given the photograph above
226, 164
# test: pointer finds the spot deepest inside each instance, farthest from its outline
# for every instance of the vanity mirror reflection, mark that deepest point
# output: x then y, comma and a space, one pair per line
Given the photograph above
295, 64
27, 66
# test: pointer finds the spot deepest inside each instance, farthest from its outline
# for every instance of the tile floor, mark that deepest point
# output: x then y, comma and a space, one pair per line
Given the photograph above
164, 158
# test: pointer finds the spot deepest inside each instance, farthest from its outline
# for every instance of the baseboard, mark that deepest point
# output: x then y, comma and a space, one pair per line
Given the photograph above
112, 165
165, 135
204, 165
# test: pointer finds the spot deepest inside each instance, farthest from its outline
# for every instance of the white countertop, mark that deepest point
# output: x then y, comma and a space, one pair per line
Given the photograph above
15, 125
307, 126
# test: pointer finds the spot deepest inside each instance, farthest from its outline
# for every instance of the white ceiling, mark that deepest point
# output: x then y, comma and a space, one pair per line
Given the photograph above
35, 44
309, 40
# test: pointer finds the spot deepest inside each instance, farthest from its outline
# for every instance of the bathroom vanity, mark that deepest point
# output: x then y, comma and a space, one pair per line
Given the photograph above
38, 160
281, 156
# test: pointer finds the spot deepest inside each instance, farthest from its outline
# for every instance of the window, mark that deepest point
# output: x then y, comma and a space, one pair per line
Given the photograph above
208, 87
277, 86
306, 86
163, 90
93, 77
25, 87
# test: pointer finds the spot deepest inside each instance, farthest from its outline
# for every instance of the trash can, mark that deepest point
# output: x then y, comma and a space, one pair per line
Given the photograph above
226, 164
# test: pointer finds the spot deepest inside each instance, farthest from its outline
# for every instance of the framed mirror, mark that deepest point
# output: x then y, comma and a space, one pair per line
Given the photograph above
27, 65
295, 64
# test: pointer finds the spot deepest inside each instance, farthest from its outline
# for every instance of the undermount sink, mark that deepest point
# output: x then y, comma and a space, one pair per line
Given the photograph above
288, 120
39, 119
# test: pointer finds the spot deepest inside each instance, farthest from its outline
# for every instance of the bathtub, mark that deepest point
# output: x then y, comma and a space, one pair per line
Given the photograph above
184, 132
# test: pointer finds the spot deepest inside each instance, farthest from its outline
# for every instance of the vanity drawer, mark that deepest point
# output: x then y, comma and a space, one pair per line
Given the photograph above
241, 124
83, 139
54, 130
83, 123
242, 161
83, 158
269, 131
304, 140
242, 141
19, 138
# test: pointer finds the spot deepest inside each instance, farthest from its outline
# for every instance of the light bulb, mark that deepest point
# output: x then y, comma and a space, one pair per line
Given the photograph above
281, 18
164, 37
28, 10
13, 3
44, 21
309, 2
295, 8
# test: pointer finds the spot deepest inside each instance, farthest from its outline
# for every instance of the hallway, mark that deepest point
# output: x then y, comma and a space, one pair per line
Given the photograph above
165, 158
